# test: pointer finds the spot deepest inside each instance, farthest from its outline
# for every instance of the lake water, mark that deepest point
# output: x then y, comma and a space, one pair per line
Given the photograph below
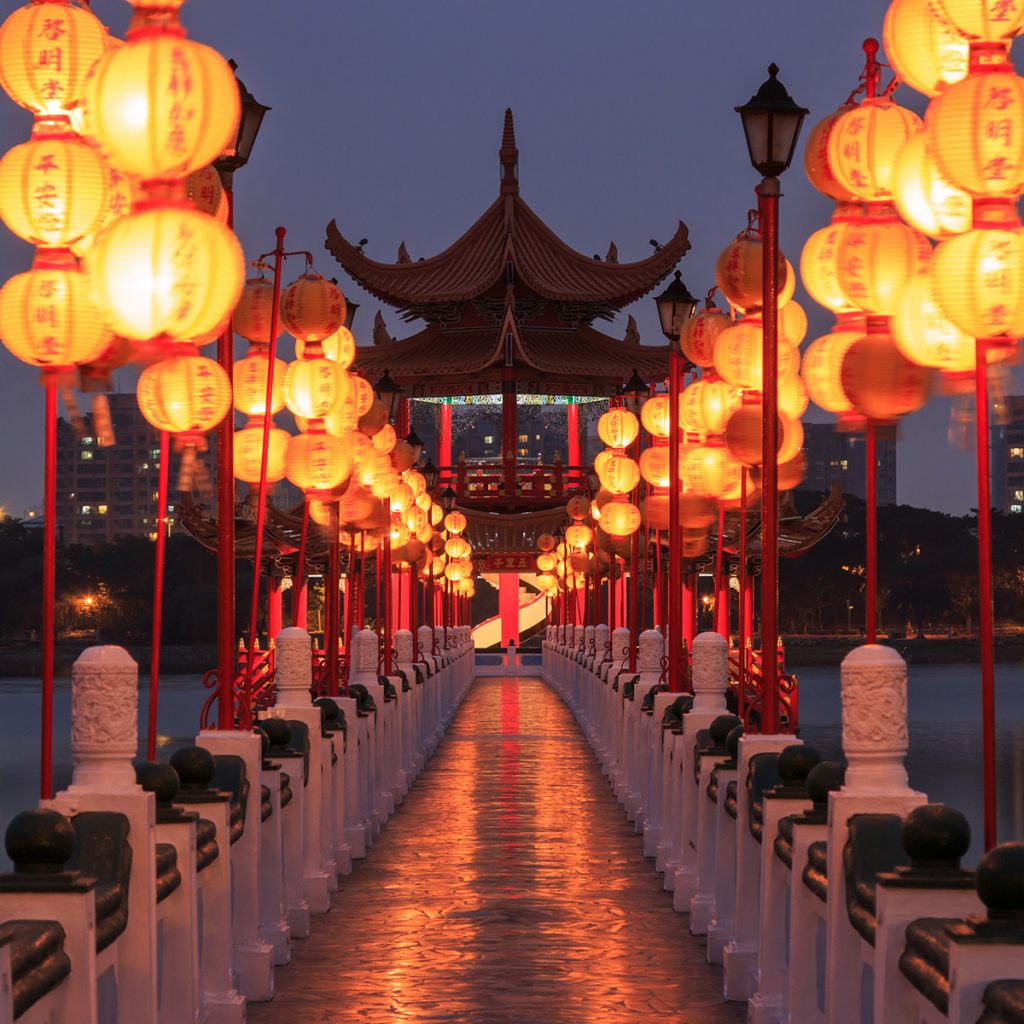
945, 735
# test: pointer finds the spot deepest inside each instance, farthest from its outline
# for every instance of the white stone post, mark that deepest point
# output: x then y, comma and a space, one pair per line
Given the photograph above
710, 681
875, 742
104, 742
294, 679
409, 705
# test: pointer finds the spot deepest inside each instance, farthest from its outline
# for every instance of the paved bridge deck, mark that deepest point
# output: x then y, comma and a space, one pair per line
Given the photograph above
508, 887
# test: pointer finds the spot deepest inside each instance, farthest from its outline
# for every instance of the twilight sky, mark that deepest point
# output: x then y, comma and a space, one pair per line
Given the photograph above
387, 116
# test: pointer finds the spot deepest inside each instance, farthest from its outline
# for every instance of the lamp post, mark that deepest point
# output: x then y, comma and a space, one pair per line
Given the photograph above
390, 394
675, 306
771, 123
235, 157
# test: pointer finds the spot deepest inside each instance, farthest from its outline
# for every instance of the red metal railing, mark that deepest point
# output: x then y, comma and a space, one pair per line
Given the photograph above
745, 676
499, 482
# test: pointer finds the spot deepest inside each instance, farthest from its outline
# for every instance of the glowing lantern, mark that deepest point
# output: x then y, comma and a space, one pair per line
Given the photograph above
455, 522
168, 271
579, 563
792, 397
457, 547
248, 452
978, 282
187, 394
404, 456
881, 382
819, 267
925, 50
417, 484
546, 543
982, 19
822, 369
924, 334
455, 571
744, 435
204, 190
312, 387
358, 396
401, 497
339, 347
738, 273
655, 512
312, 308
250, 385
791, 473
816, 158
864, 144
416, 520
545, 562
924, 198
705, 406
655, 466
143, 117
621, 474
47, 318
578, 536
739, 351
709, 470
618, 428
53, 191
46, 51
317, 462
878, 260
385, 439
601, 460
654, 415
355, 505
251, 318
792, 323
546, 582
697, 339
577, 507
436, 515
621, 519
978, 144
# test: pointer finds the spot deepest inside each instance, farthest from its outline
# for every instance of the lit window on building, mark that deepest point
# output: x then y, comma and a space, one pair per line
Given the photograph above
85, 456
154, 453
87, 441
1016, 508
488, 439
1017, 453
143, 466
102, 509
151, 536
1018, 495
86, 510
523, 438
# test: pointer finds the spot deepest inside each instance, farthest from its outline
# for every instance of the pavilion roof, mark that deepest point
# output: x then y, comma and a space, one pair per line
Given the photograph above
508, 232
577, 361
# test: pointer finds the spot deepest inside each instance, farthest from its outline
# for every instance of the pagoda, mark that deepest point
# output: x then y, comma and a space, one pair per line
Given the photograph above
509, 309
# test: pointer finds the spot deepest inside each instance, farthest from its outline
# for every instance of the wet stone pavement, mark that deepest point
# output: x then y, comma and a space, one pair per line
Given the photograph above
508, 887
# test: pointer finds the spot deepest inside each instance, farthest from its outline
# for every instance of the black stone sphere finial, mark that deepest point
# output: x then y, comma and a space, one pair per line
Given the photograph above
159, 779
796, 762
721, 727
1000, 878
732, 741
936, 837
195, 767
329, 711
39, 842
279, 731
824, 778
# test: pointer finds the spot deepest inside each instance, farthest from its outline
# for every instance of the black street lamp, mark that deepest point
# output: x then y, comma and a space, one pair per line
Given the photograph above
771, 123
388, 392
431, 474
675, 306
448, 497
634, 393
248, 128
413, 440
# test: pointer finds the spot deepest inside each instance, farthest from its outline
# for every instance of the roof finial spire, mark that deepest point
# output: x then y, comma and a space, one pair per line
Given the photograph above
509, 155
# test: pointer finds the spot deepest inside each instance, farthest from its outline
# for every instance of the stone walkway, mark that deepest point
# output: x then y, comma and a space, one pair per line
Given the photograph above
508, 887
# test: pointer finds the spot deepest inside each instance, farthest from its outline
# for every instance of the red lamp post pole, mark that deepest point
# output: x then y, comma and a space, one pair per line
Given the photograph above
226, 664
871, 533
634, 576
49, 590
158, 595
741, 638
675, 565
987, 609
768, 209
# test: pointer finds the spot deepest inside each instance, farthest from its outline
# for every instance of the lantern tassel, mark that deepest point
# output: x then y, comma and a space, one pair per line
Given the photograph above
102, 423
74, 413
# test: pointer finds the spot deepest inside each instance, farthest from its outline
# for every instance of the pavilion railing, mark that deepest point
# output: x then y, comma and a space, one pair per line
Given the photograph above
525, 483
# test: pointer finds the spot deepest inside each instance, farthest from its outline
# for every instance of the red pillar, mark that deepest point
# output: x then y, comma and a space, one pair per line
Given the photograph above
722, 603
275, 606
689, 611
575, 443
400, 602
508, 606
444, 436
300, 602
